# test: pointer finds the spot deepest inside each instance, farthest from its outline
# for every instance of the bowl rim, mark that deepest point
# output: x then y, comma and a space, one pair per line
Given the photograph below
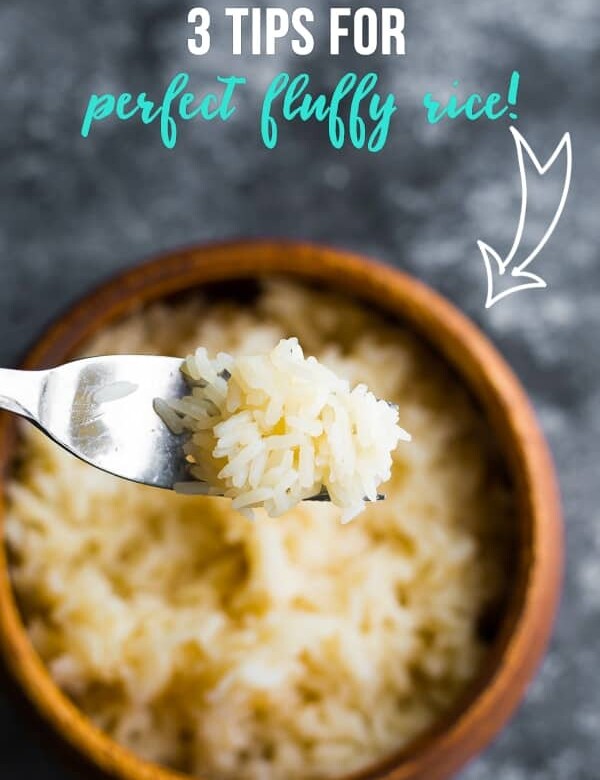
515, 654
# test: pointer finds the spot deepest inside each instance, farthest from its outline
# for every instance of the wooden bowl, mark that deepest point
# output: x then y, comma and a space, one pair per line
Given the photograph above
528, 618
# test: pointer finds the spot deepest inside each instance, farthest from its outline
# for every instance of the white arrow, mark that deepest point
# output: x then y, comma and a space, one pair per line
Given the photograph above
494, 265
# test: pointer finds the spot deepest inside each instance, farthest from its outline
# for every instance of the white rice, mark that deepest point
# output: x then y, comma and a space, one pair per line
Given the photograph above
273, 650
274, 429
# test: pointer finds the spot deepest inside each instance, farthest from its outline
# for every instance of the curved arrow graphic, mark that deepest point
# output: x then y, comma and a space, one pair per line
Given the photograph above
495, 266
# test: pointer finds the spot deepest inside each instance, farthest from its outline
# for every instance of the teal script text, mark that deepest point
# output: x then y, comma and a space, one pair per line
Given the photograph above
177, 101
475, 106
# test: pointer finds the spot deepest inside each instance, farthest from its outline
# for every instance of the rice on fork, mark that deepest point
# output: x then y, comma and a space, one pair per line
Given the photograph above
273, 429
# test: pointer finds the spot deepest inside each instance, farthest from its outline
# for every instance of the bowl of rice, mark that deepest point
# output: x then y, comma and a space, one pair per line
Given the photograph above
161, 635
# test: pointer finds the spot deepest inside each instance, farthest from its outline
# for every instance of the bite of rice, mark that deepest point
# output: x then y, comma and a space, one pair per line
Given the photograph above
276, 428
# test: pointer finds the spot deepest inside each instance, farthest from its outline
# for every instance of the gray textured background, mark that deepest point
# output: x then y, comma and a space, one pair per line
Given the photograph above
73, 211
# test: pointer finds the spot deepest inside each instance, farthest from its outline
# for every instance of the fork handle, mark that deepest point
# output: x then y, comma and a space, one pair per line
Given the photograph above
21, 391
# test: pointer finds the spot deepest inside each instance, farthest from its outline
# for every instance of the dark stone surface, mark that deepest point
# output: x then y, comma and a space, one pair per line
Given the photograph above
73, 211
